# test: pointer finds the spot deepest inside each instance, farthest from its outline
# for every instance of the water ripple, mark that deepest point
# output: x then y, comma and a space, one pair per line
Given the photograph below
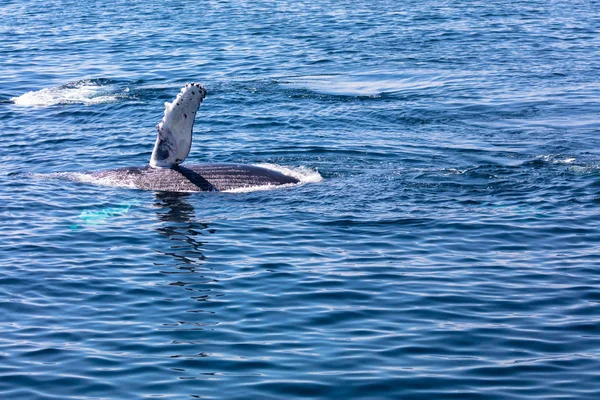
449, 251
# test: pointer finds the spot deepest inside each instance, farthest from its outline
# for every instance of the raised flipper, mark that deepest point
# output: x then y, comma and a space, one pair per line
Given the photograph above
174, 138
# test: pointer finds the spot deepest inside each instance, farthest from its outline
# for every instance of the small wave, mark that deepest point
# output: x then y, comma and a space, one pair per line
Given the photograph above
303, 174
584, 169
364, 84
556, 159
87, 92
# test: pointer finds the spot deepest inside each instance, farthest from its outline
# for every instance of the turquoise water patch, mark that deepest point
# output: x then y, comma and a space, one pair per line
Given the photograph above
104, 215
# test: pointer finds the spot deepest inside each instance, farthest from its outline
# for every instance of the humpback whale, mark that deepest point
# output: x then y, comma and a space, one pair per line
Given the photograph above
173, 143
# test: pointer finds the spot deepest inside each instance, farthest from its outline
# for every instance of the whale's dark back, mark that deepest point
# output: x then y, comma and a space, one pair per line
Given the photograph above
195, 178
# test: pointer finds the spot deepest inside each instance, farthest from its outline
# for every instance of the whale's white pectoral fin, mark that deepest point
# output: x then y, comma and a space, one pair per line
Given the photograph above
174, 138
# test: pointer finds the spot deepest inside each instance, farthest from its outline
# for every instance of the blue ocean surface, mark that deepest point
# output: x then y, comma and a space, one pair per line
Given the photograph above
445, 243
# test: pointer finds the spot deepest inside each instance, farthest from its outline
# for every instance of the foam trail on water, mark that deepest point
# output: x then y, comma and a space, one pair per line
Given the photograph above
86, 178
87, 92
556, 159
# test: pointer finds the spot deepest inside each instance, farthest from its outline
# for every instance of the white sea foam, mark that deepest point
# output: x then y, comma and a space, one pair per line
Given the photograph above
83, 177
109, 180
303, 174
556, 159
86, 92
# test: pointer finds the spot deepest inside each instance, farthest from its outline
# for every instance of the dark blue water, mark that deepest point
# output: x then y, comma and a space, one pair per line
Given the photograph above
451, 250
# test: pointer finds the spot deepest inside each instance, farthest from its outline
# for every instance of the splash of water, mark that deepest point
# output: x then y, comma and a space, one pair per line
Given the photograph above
87, 92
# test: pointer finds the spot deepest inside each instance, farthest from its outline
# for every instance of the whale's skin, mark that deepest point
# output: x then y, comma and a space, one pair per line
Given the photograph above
195, 178
173, 142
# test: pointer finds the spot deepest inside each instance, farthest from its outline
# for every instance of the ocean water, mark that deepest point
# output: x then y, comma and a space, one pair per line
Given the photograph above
445, 244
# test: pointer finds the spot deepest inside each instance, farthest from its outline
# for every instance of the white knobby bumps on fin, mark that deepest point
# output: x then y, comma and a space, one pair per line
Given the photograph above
174, 138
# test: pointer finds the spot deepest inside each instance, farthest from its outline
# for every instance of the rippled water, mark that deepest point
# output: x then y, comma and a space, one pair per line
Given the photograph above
451, 250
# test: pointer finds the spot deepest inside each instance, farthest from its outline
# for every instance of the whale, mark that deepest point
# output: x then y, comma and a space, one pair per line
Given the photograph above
165, 171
